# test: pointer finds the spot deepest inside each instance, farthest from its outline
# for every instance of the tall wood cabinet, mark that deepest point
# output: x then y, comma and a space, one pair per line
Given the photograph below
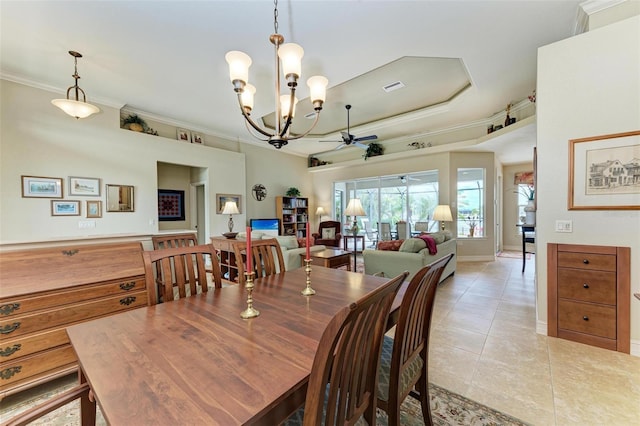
588, 294
294, 214
45, 290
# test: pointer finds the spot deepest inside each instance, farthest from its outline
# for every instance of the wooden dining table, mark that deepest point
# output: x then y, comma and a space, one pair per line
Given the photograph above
196, 361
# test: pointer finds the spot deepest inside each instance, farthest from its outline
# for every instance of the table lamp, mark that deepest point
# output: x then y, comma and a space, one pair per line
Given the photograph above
230, 208
320, 212
442, 213
354, 208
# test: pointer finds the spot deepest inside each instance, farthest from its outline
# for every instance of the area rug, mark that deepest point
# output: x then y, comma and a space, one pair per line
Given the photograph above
447, 408
513, 254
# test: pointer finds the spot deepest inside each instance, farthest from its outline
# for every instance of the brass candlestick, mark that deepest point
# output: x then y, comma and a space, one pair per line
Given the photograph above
308, 291
250, 312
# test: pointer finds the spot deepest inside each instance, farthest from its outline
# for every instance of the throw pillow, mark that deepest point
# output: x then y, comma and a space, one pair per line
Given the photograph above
393, 245
412, 245
328, 233
302, 242
287, 241
439, 237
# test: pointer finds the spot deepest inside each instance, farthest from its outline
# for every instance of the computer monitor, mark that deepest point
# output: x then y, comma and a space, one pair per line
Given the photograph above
266, 226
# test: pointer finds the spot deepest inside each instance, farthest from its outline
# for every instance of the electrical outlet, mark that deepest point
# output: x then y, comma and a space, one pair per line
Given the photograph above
83, 224
564, 226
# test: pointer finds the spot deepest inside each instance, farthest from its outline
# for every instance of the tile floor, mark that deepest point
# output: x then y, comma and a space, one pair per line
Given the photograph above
484, 346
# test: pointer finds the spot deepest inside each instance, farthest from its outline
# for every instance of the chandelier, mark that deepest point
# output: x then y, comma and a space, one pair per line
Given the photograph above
75, 107
290, 59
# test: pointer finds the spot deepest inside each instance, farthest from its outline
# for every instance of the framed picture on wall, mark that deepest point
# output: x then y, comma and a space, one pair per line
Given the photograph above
41, 187
183, 135
94, 209
65, 208
170, 205
603, 172
221, 199
197, 138
84, 186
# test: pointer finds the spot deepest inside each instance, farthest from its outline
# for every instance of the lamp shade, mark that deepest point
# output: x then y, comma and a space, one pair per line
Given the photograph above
317, 88
247, 97
230, 207
320, 211
442, 213
77, 109
354, 208
239, 63
291, 57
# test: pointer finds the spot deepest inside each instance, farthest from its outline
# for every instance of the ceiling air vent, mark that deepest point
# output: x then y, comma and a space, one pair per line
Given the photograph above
393, 86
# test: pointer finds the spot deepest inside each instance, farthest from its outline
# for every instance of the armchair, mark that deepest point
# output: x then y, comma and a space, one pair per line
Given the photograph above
329, 234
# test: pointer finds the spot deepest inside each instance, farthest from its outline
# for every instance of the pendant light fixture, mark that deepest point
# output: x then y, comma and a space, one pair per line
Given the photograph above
75, 107
290, 55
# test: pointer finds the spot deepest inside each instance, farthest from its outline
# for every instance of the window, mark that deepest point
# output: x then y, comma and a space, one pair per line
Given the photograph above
471, 203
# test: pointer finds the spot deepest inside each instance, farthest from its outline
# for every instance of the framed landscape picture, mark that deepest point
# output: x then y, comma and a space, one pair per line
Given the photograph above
94, 209
41, 187
221, 199
65, 208
84, 186
170, 205
604, 172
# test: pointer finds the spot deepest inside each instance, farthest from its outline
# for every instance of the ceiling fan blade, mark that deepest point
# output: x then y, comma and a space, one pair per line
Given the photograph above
341, 146
332, 141
360, 145
366, 138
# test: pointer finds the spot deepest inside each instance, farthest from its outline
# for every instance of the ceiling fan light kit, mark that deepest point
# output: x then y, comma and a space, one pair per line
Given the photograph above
288, 57
75, 107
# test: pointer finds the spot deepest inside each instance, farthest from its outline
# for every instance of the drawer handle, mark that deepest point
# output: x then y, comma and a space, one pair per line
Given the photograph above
9, 309
9, 328
8, 373
69, 252
127, 286
585, 261
585, 285
586, 318
8, 351
128, 300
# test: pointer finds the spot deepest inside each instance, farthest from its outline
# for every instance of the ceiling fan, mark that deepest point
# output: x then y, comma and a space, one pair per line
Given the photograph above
349, 139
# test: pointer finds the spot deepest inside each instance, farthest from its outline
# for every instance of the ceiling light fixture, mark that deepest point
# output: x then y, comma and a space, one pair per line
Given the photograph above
75, 107
290, 55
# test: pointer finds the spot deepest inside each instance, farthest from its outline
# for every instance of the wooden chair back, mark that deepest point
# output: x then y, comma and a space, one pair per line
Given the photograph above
266, 256
184, 268
344, 368
174, 240
410, 344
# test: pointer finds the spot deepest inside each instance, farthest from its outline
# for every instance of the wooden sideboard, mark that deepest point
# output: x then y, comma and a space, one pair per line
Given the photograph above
44, 290
589, 294
227, 259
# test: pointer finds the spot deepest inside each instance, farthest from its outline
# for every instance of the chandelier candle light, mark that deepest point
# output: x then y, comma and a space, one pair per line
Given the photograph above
308, 291
250, 312
75, 107
290, 54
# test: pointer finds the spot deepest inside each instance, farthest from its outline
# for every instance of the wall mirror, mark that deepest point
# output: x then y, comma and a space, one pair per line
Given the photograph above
119, 198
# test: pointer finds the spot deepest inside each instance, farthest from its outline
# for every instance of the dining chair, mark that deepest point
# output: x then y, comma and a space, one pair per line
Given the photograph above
266, 256
401, 230
404, 358
342, 383
372, 234
163, 241
184, 269
384, 231
421, 227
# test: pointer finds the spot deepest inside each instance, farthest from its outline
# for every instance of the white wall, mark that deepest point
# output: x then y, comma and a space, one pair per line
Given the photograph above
40, 140
588, 85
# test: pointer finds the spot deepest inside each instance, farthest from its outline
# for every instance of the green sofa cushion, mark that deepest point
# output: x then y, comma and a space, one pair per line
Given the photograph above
412, 245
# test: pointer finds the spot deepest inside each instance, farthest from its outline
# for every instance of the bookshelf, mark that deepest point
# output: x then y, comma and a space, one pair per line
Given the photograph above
294, 214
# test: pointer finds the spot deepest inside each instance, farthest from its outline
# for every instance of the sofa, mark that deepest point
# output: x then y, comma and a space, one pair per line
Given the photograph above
290, 246
394, 257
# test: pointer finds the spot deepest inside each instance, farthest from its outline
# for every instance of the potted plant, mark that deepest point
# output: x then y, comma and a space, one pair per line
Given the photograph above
292, 192
373, 150
133, 122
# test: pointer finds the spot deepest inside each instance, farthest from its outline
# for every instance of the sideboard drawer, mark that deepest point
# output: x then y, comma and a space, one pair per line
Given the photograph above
587, 286
30, 303
27, 345
23, 324
598, 320
590, 261
26, 367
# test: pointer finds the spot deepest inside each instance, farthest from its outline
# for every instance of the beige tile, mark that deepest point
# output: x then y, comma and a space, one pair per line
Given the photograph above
467, 321
469, 341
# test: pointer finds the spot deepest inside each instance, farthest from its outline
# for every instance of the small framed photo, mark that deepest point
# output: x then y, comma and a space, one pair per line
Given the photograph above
65, 208
41, 187
94, 209
84, 186
197, 138
183, 135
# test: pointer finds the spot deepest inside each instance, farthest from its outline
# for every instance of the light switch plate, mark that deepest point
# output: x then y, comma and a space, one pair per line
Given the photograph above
564, 226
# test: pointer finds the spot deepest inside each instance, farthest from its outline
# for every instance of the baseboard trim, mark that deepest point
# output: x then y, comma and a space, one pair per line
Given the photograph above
483, 258
635, 348
541, 327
